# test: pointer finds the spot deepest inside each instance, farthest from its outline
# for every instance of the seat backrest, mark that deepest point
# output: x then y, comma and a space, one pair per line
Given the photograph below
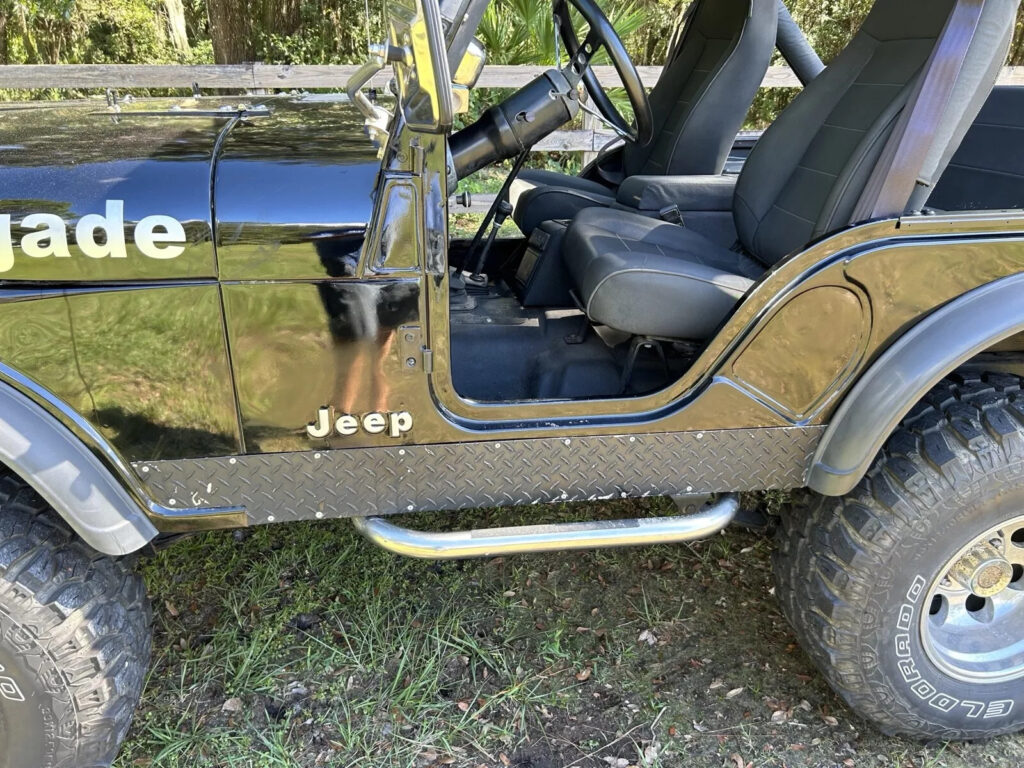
705, 91
987, 171
808, 172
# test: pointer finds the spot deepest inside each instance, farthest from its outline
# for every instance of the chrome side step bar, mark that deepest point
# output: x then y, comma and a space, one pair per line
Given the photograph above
597, 534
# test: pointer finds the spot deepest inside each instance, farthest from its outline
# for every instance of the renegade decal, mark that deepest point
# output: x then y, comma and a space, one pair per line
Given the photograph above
346, 425
98, 236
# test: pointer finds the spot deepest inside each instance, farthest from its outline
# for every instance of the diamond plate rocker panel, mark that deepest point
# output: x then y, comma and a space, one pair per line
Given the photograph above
360, 482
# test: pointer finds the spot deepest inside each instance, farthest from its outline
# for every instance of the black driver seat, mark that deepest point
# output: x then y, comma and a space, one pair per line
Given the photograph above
698, 105
804, 179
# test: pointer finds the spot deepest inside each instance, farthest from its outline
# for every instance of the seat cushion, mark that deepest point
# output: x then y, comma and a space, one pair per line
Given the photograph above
538, 196
651, 278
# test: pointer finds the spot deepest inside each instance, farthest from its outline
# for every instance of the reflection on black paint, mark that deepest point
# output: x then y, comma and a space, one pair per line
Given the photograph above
288, 181
363, 318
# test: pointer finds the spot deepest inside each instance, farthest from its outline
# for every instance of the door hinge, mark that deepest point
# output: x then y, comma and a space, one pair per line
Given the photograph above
415, 356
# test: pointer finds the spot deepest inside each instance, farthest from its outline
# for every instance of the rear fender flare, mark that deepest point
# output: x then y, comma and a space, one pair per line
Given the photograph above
906, 372
70, 477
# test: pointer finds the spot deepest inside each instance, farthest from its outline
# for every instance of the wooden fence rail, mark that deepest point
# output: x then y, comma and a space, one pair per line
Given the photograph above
261, 76
256, 77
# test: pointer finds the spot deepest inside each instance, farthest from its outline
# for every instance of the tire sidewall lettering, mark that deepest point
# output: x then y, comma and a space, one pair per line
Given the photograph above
32, 688
953, 703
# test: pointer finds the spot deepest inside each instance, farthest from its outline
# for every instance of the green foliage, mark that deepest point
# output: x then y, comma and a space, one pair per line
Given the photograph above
329, 33
85, 31
829, 24
121, 31
335, 31
522, 32
515, 31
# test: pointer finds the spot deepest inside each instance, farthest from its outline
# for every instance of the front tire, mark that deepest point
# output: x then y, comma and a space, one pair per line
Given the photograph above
74, 641
908, 593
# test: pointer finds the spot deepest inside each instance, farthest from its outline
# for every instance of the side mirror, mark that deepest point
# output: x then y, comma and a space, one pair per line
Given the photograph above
422, 75
467, 74
472, 65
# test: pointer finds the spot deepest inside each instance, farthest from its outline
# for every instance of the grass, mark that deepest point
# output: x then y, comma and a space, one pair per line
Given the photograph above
302, 646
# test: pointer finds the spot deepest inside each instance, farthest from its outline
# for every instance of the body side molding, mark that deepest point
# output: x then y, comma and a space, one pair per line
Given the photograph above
904, 374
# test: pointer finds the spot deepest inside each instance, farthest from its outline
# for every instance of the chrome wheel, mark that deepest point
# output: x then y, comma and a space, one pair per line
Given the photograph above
974, 628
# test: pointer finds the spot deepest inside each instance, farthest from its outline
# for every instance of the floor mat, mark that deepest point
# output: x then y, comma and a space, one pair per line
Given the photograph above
502, 352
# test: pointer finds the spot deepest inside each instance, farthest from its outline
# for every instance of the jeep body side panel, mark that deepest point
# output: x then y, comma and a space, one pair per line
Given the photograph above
125, 326
315, 307
918, 360
313, 318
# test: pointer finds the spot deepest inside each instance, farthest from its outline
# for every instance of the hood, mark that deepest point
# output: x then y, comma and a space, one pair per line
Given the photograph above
91, 194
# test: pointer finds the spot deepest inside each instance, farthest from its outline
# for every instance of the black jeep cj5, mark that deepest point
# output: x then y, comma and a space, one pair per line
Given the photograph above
836, 306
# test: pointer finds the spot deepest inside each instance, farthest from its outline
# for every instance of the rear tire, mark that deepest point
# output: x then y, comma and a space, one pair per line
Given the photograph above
74, 641
862, 579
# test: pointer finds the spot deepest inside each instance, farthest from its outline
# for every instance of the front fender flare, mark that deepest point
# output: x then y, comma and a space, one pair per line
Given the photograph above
70, 477
905, 373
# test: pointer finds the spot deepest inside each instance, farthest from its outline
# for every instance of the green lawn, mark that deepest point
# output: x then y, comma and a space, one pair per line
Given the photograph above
303, 646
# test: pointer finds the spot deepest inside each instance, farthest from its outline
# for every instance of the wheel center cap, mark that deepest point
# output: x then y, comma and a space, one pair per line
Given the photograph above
984, 571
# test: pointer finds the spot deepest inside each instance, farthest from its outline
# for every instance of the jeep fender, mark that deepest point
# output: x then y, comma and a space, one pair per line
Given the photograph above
906, 372
70, 477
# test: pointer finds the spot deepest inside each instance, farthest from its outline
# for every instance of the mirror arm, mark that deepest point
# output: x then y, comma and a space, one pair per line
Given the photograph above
377, 118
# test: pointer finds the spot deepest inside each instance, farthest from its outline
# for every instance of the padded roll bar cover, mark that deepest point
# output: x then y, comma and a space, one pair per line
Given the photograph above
795, 48
906, 372
70, 477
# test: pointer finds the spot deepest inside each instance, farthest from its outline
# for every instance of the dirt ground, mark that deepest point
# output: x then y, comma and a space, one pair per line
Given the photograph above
303, 646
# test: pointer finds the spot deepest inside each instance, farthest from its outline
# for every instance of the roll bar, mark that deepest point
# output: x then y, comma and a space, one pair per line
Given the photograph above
796, 49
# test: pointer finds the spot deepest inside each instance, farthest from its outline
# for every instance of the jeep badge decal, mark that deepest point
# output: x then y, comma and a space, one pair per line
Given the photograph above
346, 425
98, 236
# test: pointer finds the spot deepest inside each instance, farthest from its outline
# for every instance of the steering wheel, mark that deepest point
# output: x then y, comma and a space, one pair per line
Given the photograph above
602, 35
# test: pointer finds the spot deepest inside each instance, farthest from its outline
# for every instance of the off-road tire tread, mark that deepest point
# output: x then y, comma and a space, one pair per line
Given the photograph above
92, 612
832, 551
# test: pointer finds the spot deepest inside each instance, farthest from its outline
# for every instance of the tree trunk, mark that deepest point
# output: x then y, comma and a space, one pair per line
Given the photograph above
177, 31
282, 17
4, 52
230, 31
